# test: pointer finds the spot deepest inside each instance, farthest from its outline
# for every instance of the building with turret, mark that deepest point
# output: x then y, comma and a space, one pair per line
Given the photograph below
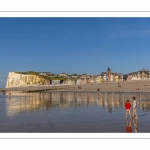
108, 74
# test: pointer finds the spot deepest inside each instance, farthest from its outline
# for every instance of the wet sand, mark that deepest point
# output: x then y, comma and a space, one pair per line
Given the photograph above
126, 86
72, 112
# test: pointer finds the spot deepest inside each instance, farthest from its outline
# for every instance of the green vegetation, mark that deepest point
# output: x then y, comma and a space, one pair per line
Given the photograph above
44, 77
54, 78
29, 73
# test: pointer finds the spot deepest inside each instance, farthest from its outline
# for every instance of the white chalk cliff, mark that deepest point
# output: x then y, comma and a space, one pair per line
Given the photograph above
17, 80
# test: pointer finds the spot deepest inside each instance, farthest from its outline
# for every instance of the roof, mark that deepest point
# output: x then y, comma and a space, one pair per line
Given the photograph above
108, 69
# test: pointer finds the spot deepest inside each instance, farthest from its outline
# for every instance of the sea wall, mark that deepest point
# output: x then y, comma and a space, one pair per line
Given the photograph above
17, 80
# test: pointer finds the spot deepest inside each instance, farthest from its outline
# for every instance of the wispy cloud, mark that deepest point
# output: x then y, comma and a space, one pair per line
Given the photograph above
14, 35
128, 34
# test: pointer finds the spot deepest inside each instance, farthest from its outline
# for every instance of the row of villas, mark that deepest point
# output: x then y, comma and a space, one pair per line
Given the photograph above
107, 76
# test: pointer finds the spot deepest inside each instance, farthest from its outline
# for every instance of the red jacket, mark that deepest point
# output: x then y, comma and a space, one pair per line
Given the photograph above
127, 105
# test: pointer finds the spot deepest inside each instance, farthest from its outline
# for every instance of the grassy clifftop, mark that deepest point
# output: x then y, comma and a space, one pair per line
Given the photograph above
29, 73
44, 77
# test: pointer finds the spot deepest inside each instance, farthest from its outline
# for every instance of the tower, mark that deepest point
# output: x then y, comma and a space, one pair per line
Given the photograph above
108, 71
108, 74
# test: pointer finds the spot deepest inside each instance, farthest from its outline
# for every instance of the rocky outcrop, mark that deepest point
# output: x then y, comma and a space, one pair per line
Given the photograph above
17, 80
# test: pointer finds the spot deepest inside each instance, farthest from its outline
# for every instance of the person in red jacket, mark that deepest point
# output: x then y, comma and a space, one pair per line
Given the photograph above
127, 107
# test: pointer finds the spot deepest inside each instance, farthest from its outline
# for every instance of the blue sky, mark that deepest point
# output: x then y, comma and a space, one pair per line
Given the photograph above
73, 45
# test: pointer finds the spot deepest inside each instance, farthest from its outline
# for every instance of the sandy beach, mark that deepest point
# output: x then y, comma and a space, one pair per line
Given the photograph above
127, 86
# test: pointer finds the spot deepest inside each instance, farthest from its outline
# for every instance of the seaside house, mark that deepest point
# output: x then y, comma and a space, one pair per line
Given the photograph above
103, 76
74, 76
63, 75
79, 76
79, 81
98, 79
44, 73
111, 77
120, 77
85, 78
116, 77
47, 82
52, 75
55, 82
134, 76
68, 81
142, 74
92, 79
125, 77
129, 76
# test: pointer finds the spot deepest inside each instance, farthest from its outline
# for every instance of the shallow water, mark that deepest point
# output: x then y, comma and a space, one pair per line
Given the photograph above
72, 112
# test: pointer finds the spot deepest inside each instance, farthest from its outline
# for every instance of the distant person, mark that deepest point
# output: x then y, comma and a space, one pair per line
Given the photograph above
128, 106
9, 93
119, 85
134, 107
98, 90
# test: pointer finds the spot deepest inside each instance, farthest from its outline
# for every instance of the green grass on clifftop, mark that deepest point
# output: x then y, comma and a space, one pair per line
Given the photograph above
44, 77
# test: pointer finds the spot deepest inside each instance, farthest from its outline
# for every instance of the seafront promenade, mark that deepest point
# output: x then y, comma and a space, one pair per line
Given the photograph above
126, 86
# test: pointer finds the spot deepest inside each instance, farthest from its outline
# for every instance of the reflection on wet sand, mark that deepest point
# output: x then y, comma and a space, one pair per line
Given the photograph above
132, 122
19, 102
75, 111
135, 123
128, 126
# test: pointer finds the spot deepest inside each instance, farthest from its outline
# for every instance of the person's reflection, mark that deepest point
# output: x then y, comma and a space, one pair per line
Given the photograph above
75, 97
110, 107
128, 126
9, 98
3, 92
135, 123
88, 98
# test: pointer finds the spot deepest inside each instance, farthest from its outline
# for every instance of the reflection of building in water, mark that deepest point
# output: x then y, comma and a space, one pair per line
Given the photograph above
20, 102
132, 123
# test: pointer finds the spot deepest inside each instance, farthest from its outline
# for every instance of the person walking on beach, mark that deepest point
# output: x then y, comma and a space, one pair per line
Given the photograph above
134, 107
128, 106
9, 93
98, 90
119, 85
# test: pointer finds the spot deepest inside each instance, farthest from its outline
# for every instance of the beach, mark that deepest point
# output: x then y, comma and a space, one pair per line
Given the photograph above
126, 86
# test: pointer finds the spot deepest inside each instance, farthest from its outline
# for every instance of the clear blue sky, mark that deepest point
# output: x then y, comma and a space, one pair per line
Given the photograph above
73, 45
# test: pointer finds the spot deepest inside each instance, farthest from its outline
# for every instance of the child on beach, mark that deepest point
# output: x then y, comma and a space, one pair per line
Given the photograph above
128, 106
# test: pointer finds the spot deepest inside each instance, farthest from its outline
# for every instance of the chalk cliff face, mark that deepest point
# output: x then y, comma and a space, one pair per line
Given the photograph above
17, 80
